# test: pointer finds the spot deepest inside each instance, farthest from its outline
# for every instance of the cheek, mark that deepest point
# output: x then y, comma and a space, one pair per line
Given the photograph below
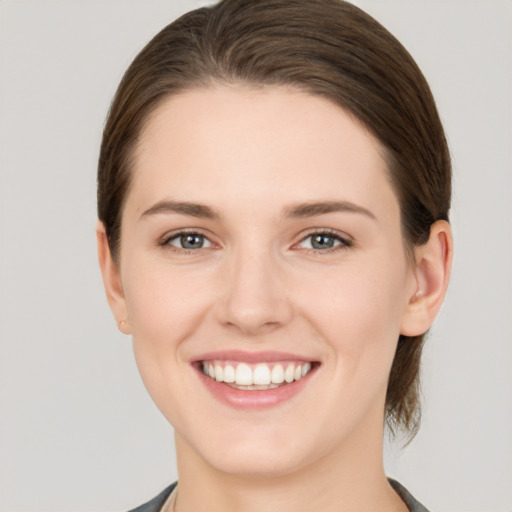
358, 309
363, 295
165, 307
164, 302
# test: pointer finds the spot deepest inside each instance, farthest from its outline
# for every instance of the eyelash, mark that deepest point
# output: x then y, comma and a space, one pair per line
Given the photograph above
344, 243
165, 241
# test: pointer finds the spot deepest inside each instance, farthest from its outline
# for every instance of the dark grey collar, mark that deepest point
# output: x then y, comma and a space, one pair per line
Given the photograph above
156, 504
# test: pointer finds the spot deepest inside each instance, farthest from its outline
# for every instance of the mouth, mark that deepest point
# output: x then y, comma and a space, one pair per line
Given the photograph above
254, 381
255, 377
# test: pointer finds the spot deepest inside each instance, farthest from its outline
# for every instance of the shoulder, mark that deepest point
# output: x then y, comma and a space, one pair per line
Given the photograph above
157, 502
413, 504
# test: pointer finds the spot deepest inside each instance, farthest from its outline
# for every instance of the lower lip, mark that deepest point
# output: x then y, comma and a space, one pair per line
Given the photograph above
254, 399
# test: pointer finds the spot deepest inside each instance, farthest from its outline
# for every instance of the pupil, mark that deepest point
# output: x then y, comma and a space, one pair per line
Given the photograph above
322, 242
192, 241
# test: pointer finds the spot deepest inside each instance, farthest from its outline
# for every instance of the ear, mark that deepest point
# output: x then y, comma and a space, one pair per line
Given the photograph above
112, 280
433, 262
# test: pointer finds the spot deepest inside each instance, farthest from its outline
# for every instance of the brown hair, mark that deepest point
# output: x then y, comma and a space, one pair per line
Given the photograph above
324, 47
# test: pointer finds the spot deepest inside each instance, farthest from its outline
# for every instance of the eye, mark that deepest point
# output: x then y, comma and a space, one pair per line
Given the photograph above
188, 241
324, 241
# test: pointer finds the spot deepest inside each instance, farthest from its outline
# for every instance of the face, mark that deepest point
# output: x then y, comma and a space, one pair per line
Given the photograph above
261, 245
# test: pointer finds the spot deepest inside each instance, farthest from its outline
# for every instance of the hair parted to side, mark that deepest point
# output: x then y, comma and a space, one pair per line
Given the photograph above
324, 47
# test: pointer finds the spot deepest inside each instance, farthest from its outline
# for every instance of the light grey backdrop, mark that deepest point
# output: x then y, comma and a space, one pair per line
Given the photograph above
78, 432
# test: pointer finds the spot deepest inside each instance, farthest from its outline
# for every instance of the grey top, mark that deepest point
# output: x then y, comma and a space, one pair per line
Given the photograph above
156, 504
412, 504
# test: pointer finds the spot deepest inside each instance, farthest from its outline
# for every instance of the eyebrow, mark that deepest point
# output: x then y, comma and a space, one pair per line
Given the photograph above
312, 209
184, 208
299, 210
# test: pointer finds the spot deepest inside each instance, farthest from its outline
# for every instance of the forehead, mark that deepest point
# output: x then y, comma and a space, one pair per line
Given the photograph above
257, 143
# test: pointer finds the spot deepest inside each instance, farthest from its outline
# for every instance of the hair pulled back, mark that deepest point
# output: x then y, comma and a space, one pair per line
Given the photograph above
324, 47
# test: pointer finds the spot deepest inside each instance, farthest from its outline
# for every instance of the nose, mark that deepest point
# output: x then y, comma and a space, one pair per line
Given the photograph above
254, 294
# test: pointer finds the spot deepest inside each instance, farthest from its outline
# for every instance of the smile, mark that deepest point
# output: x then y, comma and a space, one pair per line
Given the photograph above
254, 381
253, 377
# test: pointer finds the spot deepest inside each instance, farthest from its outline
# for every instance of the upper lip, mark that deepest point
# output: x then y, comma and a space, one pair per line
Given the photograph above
250, 357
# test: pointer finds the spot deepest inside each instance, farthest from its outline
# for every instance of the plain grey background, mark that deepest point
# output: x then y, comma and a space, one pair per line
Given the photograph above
78, 431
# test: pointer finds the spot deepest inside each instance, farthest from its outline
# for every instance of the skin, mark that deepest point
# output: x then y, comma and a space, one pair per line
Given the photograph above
258, 284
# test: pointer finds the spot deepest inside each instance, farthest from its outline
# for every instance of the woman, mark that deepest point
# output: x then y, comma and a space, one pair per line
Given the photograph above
273, 197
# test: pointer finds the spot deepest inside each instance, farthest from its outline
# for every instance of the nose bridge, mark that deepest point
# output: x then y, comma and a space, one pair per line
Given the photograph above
255, 297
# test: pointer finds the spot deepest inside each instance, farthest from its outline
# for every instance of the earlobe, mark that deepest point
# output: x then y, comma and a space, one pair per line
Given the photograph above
112, 280
432, 274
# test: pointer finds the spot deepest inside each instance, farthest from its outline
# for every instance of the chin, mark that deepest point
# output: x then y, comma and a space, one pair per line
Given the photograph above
252, 455
258, 463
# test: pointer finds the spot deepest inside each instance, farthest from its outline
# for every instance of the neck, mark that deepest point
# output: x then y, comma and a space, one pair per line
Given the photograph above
350, 477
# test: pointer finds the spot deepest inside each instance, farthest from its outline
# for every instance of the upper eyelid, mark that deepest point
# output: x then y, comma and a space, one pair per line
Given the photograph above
329, 232
180, 232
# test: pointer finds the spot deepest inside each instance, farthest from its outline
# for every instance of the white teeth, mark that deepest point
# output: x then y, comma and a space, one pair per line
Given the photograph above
255, 387
243, 375
262, 375
289, 374
229, 373
277, 374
